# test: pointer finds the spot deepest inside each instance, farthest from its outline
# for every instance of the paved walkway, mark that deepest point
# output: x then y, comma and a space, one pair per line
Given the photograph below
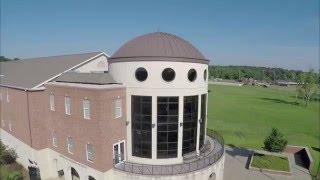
236, 164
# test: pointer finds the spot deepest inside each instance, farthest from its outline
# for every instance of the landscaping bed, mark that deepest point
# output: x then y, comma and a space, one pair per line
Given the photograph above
9, 168
277, 164
13, 170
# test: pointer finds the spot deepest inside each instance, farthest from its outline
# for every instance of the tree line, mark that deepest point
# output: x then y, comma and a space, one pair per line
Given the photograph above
259, 73
3, 58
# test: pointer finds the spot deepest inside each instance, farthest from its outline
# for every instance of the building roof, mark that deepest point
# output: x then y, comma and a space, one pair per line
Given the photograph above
86, 78
86, 86
30, 73
158, 46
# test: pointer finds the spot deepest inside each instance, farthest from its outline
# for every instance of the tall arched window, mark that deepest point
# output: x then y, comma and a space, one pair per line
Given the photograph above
141, 110
190, 123
167, 125
203, 120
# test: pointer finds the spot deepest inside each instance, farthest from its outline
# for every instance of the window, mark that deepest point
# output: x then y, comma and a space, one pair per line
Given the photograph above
70, 145
203, 119
141, 74
168, 74
10, 125
141, 111
86, 109
54, 139
3, 124
8, 97
90, 152
205, 75
190, 123
91, 178
118, 152
167, 135
117, 108
192, 75
74, 174
51, 99
67, 104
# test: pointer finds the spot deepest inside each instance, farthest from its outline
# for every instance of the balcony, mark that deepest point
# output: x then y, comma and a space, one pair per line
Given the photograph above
210, 153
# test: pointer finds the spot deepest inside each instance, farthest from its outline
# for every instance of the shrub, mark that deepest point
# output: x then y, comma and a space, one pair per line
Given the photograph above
2, 147
275, 142
2, 150
16, 175
8, 156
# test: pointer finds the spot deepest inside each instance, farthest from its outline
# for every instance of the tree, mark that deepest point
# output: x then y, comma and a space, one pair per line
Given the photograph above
8, 156
258, 73
275, 142
2, 58
307, 86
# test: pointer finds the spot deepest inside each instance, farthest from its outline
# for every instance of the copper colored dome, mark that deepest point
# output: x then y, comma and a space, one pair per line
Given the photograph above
158, 46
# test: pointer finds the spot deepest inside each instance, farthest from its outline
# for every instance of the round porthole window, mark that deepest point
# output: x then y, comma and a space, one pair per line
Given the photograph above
141, 74
192, 75
168, 74
205, 75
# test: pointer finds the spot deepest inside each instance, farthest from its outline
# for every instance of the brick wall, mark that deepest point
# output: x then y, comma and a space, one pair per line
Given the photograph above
102, 130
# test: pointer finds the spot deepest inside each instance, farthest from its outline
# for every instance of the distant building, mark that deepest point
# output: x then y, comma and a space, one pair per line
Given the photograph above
286, 83
139, 114
249, 81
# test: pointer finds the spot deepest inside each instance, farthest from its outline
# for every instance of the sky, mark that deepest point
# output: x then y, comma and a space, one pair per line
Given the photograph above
269, 33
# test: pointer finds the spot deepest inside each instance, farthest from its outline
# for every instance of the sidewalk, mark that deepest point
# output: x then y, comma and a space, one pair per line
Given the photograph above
237, 161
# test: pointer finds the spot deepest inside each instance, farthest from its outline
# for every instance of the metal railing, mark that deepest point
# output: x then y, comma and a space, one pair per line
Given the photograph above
205, 159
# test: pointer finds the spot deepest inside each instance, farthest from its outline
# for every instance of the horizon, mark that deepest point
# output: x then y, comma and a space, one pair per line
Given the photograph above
247, 33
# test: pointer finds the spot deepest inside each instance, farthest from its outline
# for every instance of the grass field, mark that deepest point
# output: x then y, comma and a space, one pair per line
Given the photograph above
263, 161
245, 115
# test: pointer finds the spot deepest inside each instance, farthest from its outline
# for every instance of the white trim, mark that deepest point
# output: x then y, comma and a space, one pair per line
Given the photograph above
78, 65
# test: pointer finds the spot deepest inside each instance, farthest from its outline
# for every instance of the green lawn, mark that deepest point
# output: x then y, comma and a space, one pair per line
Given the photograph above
263, 161
245, 115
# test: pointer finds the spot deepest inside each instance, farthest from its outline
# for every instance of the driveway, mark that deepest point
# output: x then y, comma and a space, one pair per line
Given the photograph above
237, 161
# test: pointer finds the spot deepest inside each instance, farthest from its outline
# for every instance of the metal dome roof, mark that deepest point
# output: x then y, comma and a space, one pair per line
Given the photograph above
158, 46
